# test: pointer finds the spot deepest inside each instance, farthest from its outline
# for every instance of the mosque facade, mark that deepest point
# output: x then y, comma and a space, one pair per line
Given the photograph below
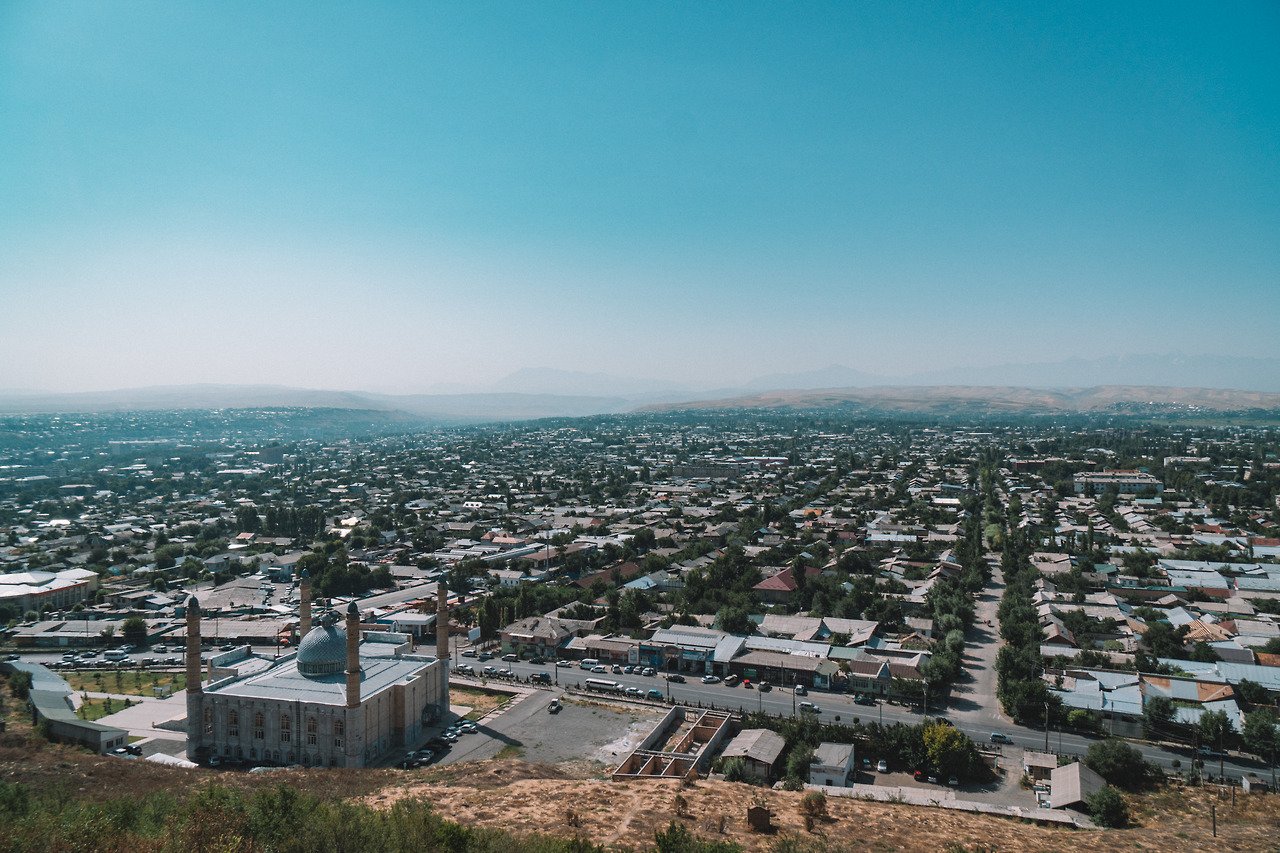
345, 698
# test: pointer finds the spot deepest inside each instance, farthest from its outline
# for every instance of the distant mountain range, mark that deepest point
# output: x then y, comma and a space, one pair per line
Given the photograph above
1071, 385
987, 400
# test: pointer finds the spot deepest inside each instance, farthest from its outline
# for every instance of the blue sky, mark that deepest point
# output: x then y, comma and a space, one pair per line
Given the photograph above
392, 196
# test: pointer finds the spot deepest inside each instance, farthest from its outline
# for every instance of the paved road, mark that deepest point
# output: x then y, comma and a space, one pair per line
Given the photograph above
836, 707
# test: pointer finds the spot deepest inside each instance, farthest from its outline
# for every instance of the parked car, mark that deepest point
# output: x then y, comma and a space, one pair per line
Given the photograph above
468, 653
731, 680
1000, 737
919, 775
800, 691
710, 679
510, 658
564, 663
617, 669
629, 669
538, 659
555, 706
634, 692
540, 678
764, 687
953, 782
485, 656
882, 766
648, 670
675, 678
654, 694
864, 699
598, 668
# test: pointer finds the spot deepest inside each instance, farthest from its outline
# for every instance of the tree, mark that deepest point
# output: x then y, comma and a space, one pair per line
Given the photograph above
1119, 763
108, 633
135, 631
735, 620
1108, 808
1261, 736
1215, 728
949, 750
1157, 713
20, 685
1165, 641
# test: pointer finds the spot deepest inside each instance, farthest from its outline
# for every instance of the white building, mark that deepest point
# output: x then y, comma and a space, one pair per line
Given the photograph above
344, 699
832, 764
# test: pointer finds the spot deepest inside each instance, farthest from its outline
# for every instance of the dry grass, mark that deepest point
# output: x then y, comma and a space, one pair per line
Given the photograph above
625, 815
480, 701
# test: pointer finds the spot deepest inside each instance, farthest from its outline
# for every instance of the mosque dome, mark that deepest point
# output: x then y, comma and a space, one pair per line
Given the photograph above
323, 651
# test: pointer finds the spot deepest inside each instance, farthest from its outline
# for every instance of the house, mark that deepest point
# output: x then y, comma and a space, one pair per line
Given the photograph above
832, 764
760, 750
779, 588
1038, 766
535, 635
1072, 785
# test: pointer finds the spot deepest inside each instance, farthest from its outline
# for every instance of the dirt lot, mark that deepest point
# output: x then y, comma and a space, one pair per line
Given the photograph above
479, 701
522, 797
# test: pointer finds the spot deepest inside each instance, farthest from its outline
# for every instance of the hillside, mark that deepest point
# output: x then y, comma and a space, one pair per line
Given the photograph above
974, 399
95, 802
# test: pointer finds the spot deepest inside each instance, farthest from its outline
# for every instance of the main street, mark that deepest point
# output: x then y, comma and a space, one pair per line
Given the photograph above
840, 708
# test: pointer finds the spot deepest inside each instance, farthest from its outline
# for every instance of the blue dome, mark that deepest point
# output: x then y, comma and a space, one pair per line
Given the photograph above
323, 651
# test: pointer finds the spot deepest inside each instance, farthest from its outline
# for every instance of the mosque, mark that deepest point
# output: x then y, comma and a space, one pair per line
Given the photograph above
344, 698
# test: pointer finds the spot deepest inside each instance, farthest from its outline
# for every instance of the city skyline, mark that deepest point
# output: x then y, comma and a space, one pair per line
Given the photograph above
406, 199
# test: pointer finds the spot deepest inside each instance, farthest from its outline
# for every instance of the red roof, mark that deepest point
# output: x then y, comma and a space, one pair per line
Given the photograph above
784, 581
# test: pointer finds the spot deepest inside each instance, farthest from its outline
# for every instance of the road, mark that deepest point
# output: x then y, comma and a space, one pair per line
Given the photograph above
838, 707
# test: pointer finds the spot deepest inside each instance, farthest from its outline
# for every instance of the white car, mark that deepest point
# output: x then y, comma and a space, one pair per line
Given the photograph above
882, 766
710, 679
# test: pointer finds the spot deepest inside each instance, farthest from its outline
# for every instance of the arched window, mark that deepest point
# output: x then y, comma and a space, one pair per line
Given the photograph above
338, 729
257, 726
312, 728
286, 728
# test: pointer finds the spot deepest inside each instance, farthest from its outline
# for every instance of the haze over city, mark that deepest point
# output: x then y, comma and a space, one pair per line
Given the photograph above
406, 198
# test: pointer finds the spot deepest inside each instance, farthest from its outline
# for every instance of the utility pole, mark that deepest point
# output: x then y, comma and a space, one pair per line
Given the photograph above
1046, 725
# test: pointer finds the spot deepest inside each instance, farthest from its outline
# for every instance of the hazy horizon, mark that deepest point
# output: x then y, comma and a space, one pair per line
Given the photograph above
401, 198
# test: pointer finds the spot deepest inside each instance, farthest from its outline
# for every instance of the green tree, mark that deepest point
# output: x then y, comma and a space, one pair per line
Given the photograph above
949, 750
1119, 763
1157, 713
1108, 808
135, 631
1215, 729
1261, 735
20, 685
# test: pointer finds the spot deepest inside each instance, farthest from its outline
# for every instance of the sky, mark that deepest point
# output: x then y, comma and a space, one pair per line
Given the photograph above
411, 196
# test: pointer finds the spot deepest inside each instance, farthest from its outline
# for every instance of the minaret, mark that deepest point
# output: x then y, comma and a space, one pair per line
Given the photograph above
195, 692
442, 639
353, 656
304, 606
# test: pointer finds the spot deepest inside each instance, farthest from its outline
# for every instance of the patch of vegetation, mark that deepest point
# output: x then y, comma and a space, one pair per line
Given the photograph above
226, 819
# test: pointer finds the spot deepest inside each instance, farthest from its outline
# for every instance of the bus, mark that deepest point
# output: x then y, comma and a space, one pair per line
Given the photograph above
588, 663
603, 685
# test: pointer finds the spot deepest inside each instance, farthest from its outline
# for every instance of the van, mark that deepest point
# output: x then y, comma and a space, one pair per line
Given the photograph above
115, 654
588, 663
540, 678
510, 658
809, 708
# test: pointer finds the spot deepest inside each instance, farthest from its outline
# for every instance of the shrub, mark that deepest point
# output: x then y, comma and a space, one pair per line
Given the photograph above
814, 804
1108, 808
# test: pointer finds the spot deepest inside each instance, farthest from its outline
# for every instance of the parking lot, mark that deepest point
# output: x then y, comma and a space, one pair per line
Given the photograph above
584, 737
